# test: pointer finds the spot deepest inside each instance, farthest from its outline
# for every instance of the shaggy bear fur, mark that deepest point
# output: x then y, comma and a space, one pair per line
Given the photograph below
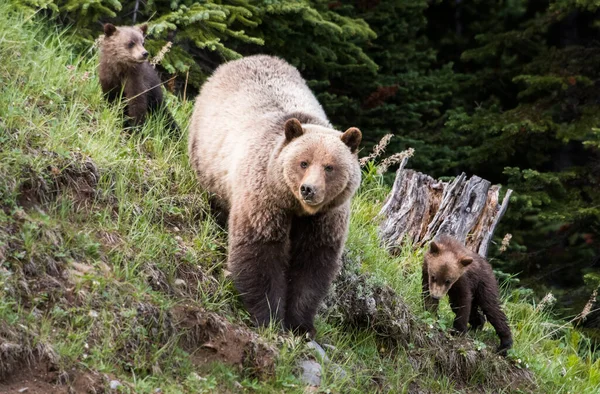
469, 281
262, 145
124, 66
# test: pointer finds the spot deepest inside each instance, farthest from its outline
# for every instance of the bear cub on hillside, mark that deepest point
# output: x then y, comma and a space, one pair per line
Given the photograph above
124, 66
450, 268
261, 143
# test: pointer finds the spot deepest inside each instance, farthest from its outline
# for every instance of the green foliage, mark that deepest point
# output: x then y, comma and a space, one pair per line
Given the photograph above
505, 90
206, 33
527, 118
89, 270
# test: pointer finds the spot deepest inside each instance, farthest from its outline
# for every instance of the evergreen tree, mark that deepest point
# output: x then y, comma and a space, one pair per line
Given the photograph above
408, 92
528, 119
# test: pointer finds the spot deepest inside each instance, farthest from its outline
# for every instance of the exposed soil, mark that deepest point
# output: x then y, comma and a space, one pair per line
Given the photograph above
76, 176
37, 379
209, 338
43, 378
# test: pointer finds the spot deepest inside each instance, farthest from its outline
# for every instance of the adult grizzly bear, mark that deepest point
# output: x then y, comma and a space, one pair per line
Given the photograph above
261, 143
124, 66
450, 268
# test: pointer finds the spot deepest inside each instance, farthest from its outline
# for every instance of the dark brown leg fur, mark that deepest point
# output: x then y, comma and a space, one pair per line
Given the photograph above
476, 320
137, 102
489, 301
317, 244
112, 95
460, 302
258, 271
258, 260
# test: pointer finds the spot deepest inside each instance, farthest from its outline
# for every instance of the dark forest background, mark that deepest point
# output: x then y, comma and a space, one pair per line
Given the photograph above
508, 90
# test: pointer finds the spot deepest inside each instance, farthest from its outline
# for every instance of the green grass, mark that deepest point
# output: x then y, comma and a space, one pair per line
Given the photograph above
93, 270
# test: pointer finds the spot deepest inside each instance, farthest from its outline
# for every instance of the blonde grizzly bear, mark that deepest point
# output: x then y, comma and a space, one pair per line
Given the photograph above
261, 143
124, 67
450, 268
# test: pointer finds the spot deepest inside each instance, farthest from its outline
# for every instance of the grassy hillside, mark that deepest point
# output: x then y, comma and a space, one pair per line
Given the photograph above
112, 269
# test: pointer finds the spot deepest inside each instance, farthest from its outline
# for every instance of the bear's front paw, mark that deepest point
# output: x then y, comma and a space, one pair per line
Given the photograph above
504, 346
303, 330
457, 332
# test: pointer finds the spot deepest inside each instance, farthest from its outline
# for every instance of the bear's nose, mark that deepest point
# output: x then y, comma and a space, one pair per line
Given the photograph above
145, 54
307, 191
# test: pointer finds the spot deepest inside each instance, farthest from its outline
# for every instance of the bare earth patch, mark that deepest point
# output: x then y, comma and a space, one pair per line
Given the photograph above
209, 338
43, 377
76, 176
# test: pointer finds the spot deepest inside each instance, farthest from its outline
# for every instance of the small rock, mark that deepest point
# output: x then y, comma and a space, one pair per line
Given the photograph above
311, 372
180, 283
339, 371
114, 384
24, 389
320, 351
93, 313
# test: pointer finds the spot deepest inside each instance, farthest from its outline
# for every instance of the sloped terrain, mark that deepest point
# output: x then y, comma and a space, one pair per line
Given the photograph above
112, 267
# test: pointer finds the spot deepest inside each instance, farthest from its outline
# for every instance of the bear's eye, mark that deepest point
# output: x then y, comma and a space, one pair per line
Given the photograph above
328, 168
131, 44
303, 164
433, 278
447, 281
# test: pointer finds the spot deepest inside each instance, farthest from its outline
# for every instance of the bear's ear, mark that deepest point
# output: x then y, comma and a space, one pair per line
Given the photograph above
144, 28
109, 29
434, 248
293, 129
352, 138
466, 261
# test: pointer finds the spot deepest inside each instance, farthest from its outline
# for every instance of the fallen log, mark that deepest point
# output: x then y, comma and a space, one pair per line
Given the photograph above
419, 207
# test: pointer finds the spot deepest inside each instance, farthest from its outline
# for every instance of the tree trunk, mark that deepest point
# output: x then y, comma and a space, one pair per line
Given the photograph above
419, 207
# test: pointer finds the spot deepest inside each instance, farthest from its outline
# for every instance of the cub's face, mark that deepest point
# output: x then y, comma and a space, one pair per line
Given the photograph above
444, 268
125, 44
320, 165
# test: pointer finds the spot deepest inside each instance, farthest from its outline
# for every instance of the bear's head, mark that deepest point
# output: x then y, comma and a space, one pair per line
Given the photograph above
125, 44
446, 260
320, 165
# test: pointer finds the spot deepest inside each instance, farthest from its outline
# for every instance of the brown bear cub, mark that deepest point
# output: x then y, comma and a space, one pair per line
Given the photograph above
469, 281
124, 67
261, 143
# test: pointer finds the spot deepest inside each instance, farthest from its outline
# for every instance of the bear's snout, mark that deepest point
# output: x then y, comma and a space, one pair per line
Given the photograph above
436, 291
145, 54
307, 191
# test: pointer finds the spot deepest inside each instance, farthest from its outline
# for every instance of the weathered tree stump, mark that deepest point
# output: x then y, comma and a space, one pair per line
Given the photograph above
419, 207
589, 317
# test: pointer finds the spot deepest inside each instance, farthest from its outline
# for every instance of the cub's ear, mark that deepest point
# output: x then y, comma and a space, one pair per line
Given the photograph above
293, 129
144, 28
352, 138
109, 29
434, 248
466, 261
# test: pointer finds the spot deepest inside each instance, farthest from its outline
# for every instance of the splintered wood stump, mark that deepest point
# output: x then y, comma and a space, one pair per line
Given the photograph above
420, 207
